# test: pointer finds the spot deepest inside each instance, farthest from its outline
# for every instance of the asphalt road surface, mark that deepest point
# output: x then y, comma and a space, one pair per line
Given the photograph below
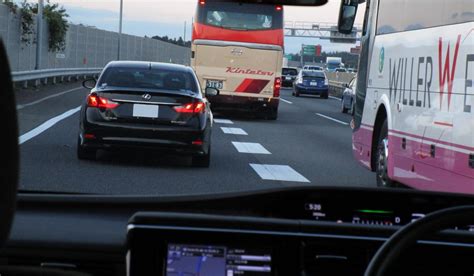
309, 145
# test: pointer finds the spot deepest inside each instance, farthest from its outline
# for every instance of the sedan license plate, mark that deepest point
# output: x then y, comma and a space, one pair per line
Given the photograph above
313, 83
287, 78
145, 110
218, 84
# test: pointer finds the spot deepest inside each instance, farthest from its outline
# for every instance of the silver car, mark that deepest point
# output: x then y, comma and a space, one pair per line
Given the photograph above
348, 97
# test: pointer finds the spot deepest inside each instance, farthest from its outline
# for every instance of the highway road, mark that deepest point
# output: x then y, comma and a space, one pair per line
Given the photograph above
309, 144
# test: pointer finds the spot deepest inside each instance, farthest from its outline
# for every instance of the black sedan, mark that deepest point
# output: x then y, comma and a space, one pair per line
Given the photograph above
288, 76
146, 105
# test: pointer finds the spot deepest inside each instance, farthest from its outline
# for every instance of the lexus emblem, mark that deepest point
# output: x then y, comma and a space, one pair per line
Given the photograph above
146, 97
237, 52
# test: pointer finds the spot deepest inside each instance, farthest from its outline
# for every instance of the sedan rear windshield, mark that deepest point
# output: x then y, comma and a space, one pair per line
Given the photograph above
148, 78
289, 71
315, 74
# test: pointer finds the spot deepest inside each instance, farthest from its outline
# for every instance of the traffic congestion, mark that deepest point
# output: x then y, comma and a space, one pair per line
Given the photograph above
238, 75
232, 111
237, 137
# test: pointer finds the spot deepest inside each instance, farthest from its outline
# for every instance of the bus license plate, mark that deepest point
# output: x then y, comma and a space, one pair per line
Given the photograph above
218, 84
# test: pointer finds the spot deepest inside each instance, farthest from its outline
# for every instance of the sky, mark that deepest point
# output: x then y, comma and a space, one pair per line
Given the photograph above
168, 17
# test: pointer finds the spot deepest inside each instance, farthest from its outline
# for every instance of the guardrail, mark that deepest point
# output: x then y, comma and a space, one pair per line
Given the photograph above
337, 80
42, 76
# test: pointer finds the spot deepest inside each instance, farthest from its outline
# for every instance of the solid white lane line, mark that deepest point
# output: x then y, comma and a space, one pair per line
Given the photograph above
335, 98
21, 106
332, 119
44, 126
286, 101
223, 121
233, 130
278, 172
250, 148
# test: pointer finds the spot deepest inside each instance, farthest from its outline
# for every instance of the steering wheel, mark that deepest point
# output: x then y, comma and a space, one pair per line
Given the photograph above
407, 236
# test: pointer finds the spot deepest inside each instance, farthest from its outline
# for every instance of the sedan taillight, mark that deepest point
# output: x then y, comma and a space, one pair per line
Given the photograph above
196, 107
93, 100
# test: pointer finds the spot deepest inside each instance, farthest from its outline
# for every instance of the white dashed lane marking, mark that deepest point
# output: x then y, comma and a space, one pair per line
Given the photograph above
250, 148
46, 125
286, 101
332, 119
233, 130
278, 172
21, 106
223, 121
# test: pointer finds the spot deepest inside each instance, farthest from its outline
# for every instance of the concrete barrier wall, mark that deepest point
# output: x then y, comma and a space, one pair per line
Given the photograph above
86, 47
340, 77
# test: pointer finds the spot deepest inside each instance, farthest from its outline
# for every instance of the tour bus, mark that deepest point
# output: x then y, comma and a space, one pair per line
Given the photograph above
414, 112
238, 49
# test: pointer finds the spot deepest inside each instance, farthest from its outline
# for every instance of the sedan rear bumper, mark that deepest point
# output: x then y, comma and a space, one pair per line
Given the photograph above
312, 90
103, 136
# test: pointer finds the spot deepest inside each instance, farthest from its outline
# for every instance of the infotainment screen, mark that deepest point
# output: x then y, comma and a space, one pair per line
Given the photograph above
212, 260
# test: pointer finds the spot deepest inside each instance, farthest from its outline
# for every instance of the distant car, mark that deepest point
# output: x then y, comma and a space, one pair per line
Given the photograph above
312, 68
312, 83
146, 105
341, 70
348, 97
288, 76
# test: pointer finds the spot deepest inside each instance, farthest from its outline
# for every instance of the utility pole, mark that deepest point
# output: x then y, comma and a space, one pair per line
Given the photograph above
184, 37
301, 56
120, 31
39, 34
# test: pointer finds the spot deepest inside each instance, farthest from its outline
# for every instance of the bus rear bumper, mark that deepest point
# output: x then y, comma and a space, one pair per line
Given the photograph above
243, 103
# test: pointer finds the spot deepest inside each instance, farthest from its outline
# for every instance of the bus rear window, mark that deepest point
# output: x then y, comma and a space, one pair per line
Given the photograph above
239, 16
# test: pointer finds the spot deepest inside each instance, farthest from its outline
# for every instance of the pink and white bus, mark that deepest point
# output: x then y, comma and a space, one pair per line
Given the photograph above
414, 112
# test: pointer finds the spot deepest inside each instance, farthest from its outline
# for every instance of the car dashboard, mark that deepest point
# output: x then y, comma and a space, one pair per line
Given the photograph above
301, 231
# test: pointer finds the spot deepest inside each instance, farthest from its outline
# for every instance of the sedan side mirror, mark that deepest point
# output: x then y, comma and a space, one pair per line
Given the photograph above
211, 91
346, 85
347, 15
89, 83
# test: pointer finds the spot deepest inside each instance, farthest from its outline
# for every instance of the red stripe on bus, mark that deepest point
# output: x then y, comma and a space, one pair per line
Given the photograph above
443, 124
252, 86
243, 86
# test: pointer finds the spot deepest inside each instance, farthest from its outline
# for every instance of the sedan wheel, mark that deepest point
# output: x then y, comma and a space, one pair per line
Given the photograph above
343, 107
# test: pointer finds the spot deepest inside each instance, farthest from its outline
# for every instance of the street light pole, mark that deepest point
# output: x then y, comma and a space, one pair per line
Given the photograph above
39, 34
120, 30
184, 37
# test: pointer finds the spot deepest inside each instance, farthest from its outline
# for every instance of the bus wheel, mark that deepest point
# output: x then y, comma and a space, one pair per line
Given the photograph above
381, 169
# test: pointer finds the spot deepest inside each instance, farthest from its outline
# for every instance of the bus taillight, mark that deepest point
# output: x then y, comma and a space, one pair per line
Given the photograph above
276, 87
202, 2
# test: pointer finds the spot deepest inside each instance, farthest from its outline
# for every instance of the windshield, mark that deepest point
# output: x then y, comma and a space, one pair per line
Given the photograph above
148, 78
239, 16
207, 97
289, 71
316, 74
